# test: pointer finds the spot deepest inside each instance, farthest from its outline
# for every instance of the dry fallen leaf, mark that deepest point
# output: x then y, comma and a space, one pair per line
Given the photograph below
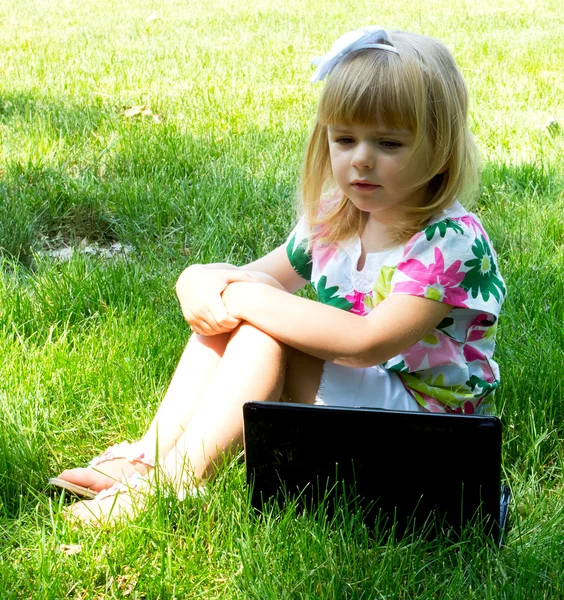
127, 581
70, 548
140, 111
133, 111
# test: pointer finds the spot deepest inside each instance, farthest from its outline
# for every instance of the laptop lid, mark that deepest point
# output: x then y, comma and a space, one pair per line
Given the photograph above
409, 466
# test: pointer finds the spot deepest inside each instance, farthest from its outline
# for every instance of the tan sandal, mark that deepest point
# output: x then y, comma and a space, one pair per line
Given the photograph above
137, 487
132, 452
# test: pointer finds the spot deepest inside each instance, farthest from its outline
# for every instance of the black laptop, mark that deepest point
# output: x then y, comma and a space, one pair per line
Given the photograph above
415, 471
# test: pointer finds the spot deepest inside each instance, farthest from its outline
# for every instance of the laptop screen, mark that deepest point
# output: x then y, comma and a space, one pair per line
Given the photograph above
403, 465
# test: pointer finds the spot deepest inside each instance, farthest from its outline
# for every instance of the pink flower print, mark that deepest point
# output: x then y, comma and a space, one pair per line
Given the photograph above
358, 305
482, 326
433, 282
433, 350
473, 224
469, 408
471, 354
480, 320
476, 334
322, 253
478, 330
487, 374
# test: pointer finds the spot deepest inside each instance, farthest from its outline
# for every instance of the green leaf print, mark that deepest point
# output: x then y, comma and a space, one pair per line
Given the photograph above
419, 398
329, 295
383, 285
400, 367
442, 227
482, 278
481, 388
451, 396
299, 257
444, 325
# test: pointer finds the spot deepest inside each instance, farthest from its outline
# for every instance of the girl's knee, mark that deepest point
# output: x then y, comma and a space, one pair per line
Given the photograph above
216, 343
248, 333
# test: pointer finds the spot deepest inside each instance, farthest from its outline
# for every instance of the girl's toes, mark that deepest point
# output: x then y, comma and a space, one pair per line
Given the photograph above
87, 478
79, 514
108, 509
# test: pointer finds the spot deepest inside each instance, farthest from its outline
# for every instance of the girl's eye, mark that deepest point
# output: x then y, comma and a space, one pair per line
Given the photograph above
390, 144
345, 140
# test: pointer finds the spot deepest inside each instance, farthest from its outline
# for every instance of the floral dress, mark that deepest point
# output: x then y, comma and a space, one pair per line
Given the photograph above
452, 260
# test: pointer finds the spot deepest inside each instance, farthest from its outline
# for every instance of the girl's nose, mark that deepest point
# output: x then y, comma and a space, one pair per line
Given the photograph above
363, 157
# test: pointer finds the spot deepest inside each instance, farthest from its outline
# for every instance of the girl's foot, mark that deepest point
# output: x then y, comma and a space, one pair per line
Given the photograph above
113, 466
121, 500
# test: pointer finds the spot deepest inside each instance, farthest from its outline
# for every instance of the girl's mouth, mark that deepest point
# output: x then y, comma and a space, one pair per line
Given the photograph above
364, 186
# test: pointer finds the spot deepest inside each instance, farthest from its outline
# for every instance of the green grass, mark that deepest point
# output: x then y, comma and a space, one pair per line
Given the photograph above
87, 347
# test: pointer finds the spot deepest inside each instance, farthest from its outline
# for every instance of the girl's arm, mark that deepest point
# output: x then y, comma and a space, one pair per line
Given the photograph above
199, 288
274, 266
331, 333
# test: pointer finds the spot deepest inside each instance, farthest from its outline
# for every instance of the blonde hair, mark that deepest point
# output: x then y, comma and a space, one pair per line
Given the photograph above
421, 89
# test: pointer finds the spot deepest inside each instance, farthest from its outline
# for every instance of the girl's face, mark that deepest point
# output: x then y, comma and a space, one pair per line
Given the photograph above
372, 166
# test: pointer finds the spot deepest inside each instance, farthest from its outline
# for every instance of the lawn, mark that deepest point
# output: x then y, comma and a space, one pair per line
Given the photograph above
150, 135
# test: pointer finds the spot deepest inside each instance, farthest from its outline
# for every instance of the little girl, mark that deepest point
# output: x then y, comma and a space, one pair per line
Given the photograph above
407, 280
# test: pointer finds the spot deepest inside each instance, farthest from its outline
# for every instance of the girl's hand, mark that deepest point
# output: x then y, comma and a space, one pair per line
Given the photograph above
199, 290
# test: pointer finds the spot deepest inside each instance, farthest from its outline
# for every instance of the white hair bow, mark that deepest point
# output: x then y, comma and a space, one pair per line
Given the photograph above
370, 36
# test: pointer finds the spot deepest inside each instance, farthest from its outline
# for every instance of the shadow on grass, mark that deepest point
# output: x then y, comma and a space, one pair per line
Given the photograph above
143, 183
57, 115
38, 200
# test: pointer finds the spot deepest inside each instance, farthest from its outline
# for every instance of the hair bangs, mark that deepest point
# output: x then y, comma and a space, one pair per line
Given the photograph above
366, 88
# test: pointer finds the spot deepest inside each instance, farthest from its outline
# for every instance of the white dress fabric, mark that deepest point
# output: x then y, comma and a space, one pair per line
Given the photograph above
370, 387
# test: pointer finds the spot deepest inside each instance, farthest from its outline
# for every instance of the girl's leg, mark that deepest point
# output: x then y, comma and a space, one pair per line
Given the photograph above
253, 367
193, 374
273, 371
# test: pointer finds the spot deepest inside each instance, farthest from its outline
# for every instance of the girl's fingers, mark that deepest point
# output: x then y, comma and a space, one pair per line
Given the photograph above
209, 317
229, 323
197, 323
202, 329
202, 320
221, 318
199, 291
206, 324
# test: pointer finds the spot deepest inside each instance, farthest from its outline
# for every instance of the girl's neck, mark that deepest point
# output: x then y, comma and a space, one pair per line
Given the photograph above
376, 236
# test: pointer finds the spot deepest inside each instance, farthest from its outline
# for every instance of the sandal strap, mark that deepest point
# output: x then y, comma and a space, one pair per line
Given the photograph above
135, 452
130, 484
138, 482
